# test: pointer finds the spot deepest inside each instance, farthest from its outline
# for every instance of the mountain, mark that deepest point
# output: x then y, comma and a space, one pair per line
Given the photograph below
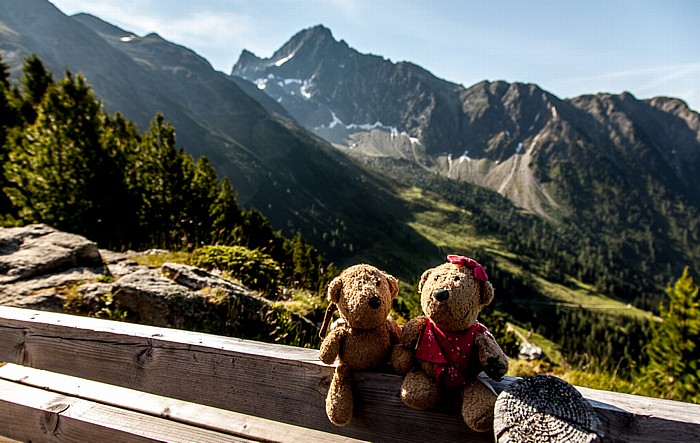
604, 184
299, 181
399, 109
622, 170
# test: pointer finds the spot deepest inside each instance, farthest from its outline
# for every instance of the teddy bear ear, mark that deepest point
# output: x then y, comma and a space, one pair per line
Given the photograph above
393, 285
423, 279
334, 289
486, 293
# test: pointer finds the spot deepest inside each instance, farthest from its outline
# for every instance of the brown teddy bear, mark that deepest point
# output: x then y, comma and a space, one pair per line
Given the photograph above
363, 338
447, 347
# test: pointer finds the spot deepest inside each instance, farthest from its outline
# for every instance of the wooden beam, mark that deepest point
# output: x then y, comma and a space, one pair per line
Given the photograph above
37, 415
635, 418
204, 417
279, 383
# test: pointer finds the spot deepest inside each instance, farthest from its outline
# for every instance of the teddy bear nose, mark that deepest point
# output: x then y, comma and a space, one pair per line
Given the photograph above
441, 294
375, 302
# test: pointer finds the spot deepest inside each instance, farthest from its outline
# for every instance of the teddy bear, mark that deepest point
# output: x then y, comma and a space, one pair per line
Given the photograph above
364, 336
447, 348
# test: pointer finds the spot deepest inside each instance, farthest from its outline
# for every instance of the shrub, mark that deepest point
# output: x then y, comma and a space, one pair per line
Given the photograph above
253, 268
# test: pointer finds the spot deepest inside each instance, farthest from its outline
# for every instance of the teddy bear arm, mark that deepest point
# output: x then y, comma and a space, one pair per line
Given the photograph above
330, 347
412, 331
403, 354
402, 359
491, 357
394, 331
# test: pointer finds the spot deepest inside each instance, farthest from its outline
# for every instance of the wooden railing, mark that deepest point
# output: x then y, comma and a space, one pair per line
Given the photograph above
73, 378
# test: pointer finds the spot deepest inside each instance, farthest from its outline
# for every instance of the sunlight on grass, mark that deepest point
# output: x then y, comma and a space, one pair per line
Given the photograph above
554, 363
585, 297
444, 224
585, 377
156, 260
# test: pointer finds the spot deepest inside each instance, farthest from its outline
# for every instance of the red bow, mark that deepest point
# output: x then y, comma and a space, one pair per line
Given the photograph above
459, 260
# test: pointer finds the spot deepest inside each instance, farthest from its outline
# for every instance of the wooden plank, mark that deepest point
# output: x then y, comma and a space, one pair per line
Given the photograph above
36, 415
205, 417
634, 418
279, 383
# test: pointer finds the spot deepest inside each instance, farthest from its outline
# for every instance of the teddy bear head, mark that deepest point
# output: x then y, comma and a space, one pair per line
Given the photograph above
453, 294
363, 295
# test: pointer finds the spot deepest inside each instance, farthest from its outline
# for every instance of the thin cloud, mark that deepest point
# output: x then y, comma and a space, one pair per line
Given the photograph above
677, 80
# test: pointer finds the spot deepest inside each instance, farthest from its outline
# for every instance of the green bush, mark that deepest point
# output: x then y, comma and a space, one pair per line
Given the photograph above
253, 268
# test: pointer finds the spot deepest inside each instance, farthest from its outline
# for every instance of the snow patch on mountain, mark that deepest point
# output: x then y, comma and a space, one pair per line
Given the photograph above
290, 81
332, 124
361, 126
304, 89
284, 60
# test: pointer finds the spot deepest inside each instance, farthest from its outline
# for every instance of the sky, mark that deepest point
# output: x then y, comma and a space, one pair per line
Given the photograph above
568, 47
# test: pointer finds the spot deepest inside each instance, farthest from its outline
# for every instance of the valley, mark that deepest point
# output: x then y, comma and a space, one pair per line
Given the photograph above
581, 210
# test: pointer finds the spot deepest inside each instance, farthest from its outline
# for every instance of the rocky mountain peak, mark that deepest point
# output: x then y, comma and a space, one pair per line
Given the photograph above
297, 58
318, 33
505, 136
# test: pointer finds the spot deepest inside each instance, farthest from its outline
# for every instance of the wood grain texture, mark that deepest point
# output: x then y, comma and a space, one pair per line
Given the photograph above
37, 415
635, 418
205, 417
280, 383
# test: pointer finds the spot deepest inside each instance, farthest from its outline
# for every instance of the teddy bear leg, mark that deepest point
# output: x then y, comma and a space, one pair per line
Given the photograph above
339, 399
477, 406
419, 391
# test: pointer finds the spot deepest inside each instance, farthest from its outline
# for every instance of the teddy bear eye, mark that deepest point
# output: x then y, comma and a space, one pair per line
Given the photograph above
456, 278
379, 283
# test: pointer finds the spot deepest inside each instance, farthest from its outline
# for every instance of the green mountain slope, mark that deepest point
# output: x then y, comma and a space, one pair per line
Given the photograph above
615, 172
604, 243
299, 181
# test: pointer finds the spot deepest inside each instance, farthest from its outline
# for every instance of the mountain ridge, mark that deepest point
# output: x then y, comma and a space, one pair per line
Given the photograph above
273, 164
609, 163
486, 120
608, 231
552, 157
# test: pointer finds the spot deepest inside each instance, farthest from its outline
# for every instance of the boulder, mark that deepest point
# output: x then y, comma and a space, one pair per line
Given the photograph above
14, 292
42, 268
188, 297
196, 278
90, 298
151, 298
35, 250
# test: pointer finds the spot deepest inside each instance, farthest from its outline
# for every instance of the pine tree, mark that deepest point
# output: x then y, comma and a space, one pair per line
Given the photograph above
55, 163
674, 351
36, 80
227, 217
160, 178
200, 190
4, 73
122, 200
6, 123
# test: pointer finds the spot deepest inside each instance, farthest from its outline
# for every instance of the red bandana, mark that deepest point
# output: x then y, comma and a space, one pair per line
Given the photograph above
449, 352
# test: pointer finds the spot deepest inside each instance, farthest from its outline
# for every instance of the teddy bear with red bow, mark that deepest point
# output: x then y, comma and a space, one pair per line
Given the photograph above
447, 347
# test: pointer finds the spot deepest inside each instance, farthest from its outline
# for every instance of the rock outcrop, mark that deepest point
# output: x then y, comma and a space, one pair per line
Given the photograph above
38, 250
42, 268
